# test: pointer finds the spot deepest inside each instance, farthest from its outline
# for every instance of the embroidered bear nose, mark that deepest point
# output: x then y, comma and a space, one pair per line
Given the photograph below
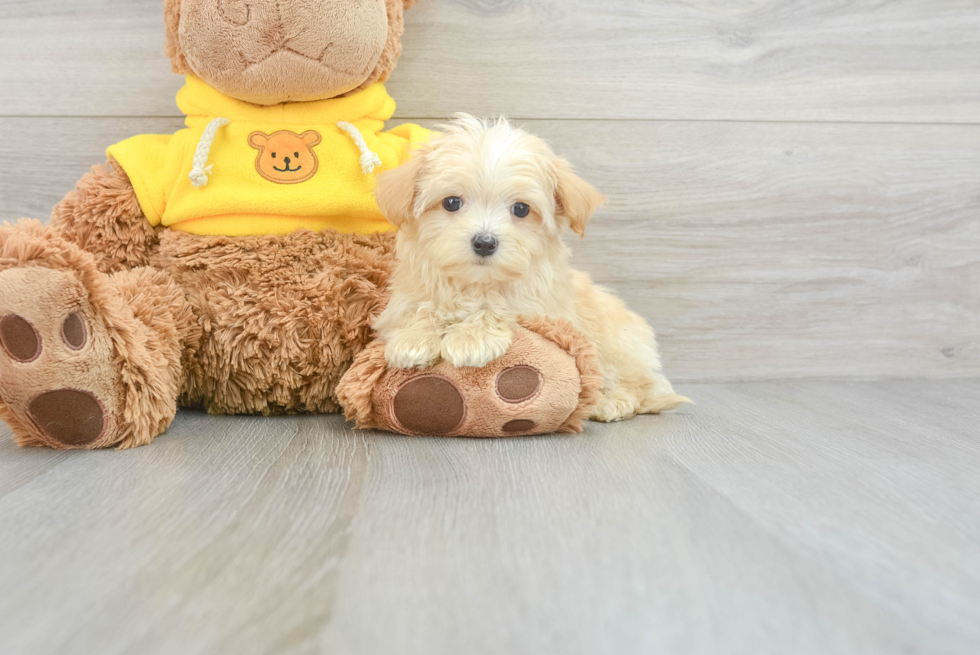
485, 244
287, 160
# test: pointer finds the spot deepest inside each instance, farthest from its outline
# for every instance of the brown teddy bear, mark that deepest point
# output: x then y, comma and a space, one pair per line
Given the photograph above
237, 265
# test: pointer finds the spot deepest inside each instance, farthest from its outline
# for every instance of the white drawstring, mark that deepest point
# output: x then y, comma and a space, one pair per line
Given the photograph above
369, 159
200, 171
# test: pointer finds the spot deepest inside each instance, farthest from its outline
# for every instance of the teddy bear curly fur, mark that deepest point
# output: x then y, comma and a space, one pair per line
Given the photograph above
109, 323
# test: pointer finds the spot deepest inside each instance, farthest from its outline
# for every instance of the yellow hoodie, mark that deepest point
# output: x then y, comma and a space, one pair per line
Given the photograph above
242, 169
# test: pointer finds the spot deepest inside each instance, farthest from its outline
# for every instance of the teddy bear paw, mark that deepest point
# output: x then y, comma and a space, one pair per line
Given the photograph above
536, 387
57, 384
437, 404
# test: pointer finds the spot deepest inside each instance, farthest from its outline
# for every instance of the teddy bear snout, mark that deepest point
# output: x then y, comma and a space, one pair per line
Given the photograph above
236, 12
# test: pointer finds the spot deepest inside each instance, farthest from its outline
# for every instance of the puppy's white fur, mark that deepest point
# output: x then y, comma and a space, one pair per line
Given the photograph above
448, 302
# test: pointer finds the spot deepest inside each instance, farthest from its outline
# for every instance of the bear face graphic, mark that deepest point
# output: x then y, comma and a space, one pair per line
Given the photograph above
285, 157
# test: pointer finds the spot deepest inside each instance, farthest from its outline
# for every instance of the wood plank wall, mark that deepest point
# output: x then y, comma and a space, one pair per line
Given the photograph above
794, 185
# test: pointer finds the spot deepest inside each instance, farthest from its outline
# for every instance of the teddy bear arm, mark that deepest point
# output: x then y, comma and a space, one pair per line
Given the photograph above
103, 217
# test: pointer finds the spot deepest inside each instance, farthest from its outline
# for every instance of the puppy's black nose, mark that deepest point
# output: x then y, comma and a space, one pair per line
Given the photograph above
485, 244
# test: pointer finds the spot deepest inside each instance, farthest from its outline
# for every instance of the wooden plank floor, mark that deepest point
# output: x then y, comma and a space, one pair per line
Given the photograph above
781, 517
795, 193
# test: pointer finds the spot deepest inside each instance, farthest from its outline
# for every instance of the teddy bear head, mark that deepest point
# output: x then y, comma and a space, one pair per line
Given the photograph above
272, 51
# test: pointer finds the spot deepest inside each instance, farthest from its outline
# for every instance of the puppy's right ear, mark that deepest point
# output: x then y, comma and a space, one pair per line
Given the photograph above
396, 191
577, 199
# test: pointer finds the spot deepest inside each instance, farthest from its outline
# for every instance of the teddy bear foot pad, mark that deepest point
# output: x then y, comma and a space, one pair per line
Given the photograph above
537, 387
434, 404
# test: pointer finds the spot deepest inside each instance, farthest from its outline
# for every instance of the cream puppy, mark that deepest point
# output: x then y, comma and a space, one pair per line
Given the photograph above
480, 212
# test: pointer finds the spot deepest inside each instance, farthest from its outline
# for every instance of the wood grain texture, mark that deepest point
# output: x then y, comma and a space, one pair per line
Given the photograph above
788, 60
788, 517
757, 251
760, 230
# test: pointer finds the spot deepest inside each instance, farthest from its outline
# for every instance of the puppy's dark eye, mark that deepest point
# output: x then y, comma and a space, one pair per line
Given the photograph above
521, 210
452, 204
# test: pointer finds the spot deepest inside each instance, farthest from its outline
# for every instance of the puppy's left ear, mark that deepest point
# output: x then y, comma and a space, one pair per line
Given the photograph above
396, 190
577, 199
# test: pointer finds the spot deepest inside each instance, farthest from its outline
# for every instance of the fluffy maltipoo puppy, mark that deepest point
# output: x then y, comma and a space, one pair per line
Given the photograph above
480, 213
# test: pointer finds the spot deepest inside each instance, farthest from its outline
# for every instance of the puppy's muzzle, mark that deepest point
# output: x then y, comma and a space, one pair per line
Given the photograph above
485, 244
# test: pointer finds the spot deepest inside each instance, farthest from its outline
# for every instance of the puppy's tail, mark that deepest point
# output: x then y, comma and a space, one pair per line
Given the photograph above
662, 403
661, 398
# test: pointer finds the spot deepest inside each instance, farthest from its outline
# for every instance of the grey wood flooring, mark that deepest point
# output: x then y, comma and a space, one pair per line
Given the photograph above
795, 193
774, 517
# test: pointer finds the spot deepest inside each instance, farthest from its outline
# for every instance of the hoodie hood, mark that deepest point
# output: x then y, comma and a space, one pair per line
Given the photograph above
198, 101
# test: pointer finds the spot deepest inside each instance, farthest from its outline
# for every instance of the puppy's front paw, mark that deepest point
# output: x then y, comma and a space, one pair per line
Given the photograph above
412, 349
467, 345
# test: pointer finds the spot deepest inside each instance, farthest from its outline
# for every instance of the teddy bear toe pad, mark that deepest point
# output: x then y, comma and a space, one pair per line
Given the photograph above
519, 426
518, 384
19, 339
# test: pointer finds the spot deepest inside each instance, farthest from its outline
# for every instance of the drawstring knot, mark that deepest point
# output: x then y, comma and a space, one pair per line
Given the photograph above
369, 159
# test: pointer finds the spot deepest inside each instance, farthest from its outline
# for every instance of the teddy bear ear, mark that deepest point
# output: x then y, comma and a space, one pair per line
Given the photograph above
171, 48
393, 45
